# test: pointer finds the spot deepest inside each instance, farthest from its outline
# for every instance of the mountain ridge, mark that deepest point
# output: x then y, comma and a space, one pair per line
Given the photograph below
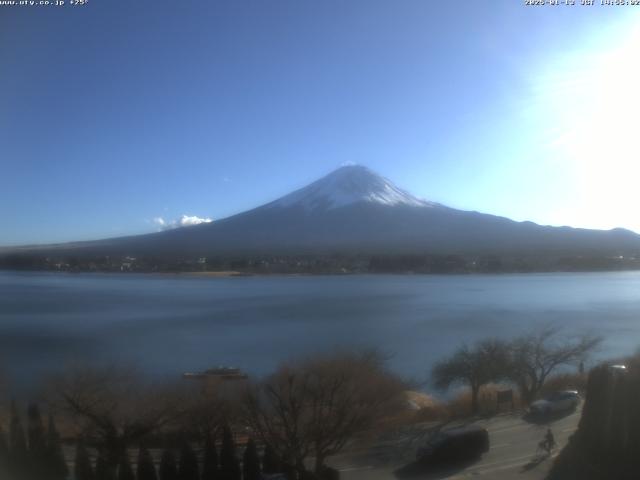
354, 210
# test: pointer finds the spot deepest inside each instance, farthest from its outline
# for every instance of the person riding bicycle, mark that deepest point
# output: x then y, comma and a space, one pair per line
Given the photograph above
549, 441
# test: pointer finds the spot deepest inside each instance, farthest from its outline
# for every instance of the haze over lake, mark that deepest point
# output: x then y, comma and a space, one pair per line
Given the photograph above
169, 324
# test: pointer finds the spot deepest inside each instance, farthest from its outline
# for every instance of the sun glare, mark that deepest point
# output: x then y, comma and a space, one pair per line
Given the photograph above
595, 105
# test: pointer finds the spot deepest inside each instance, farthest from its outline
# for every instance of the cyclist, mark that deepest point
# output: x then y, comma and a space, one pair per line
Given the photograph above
549, 441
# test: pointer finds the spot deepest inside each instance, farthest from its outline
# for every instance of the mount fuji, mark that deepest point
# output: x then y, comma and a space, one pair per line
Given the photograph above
354, 210
346, 186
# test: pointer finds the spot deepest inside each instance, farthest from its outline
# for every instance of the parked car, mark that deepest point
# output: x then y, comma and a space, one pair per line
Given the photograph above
456, 444
620, 369
556, 402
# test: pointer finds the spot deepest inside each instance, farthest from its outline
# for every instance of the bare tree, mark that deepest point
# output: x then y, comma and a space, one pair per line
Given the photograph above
114, 406
536, 355
207, 410
473, 366
314, 408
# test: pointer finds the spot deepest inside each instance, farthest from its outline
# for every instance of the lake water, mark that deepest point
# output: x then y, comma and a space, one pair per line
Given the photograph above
168, 324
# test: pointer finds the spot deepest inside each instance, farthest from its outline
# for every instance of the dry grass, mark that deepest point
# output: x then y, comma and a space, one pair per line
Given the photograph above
460, 405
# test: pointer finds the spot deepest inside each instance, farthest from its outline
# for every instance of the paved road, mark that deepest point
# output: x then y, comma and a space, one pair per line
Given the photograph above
513, 443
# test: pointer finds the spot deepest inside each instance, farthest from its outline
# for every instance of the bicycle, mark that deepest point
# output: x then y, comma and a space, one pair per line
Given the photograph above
545, 448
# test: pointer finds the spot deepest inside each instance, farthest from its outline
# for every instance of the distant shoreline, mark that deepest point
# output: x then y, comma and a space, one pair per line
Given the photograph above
328, 264
235, 273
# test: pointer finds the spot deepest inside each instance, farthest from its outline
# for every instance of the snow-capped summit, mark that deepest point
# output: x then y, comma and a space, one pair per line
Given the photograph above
348, 185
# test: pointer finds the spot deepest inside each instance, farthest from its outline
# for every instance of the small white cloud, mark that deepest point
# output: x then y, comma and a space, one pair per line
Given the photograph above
187, 220
183, 221
348, 163
226, 179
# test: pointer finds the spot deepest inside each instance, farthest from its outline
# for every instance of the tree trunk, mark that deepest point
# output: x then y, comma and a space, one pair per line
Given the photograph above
536, 386
114, 449
300, 469
525, 393
319, 464
290, 471
475, 390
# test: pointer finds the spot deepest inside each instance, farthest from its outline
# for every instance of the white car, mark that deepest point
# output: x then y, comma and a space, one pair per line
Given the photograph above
556, 402
619, 369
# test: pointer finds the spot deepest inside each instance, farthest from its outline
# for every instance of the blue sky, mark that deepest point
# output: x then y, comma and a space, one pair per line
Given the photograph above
118, 112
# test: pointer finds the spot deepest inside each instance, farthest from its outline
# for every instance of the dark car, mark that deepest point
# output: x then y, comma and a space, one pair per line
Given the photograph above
456, 444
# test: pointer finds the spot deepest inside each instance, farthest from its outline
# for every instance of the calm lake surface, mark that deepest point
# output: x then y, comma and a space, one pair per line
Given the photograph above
168, 324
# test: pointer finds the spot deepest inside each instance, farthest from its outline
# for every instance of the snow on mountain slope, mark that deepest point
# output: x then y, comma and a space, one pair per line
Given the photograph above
346, 186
